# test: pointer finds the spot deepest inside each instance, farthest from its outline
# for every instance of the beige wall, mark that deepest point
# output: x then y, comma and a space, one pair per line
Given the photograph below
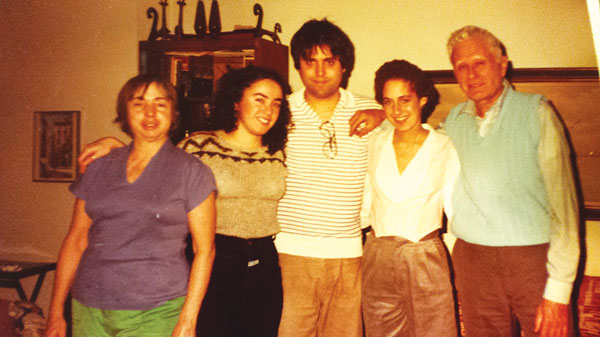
75, 55
54, 55
549, 33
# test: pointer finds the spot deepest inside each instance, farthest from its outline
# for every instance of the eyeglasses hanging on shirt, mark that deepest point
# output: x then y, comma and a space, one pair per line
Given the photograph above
330, 146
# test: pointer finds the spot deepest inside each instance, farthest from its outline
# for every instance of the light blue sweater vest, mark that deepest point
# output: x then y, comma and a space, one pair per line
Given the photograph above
499, 197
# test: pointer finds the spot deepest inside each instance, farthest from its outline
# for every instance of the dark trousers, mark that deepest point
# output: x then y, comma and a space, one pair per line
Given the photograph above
496, 284
244, 296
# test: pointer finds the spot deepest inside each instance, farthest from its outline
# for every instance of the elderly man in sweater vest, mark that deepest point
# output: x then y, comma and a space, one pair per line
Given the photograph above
515, 207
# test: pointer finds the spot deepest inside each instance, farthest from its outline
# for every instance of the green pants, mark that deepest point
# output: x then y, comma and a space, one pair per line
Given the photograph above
157, 322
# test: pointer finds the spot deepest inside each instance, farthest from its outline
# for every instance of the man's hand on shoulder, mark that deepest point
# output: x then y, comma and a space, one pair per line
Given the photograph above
97, 149
552, 319
364, 121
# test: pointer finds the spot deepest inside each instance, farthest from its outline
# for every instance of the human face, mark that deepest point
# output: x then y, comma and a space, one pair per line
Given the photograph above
478, 72
402, 106
321, 74
149, 114
258, 109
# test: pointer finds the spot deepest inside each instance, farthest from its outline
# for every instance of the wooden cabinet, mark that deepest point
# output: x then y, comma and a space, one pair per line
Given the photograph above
195, 65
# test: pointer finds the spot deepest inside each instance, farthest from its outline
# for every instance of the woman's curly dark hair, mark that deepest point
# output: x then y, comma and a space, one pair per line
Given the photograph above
420, 83
230, 90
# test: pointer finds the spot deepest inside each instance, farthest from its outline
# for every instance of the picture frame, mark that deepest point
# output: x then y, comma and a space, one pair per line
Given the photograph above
55, 146
575, 93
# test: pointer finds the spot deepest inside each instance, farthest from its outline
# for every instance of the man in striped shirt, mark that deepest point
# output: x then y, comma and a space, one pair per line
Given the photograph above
320, 240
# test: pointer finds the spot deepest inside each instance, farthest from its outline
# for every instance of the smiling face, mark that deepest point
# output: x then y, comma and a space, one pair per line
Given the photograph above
402, 106
149, 114
479, 72
258, 109
321, 73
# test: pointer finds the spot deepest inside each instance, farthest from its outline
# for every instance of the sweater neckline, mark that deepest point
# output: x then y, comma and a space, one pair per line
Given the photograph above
238, 147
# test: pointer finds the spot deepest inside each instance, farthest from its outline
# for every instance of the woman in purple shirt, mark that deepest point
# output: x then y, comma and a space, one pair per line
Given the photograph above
123, 258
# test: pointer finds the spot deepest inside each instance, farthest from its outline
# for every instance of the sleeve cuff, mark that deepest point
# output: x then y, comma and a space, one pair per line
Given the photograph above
557, 291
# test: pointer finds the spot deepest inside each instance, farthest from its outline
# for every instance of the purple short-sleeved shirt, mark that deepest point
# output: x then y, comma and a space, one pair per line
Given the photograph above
135, 256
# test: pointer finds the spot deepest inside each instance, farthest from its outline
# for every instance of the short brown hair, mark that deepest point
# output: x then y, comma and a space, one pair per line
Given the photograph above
143, 81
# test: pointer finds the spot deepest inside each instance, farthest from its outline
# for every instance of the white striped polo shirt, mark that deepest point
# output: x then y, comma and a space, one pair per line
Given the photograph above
319, 214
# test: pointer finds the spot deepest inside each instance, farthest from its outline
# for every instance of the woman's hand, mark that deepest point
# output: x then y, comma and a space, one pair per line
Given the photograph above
68, 260
56, 326
202, 222
97, 149
184, 330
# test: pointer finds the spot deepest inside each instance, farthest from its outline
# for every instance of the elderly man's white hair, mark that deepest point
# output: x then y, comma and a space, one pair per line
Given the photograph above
474, 32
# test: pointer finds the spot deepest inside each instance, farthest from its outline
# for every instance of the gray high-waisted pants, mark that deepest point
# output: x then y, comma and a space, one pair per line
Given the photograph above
406, 288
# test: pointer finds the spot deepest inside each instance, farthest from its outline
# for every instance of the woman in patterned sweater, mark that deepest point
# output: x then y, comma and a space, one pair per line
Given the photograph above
249, 120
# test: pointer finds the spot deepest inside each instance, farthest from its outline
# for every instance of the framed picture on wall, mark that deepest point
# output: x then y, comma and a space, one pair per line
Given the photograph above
55, 146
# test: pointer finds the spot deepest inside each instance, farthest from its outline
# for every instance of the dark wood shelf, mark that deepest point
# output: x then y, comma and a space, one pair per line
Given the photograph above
157, 56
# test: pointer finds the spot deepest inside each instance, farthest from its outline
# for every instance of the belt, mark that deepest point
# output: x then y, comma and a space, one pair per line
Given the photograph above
430, 236
226, 239
251, 247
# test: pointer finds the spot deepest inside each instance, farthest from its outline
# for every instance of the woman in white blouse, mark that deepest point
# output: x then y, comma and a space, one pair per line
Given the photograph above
406, 288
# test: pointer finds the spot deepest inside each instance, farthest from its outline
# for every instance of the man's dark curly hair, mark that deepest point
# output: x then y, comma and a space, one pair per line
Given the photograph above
319, 33
419, 81
143, 82
230, 90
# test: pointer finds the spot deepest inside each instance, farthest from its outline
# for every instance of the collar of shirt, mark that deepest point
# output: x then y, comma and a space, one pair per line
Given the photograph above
484, 124
414, 210
297, 101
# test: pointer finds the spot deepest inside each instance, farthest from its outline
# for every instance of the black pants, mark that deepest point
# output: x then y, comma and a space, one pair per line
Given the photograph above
244, 296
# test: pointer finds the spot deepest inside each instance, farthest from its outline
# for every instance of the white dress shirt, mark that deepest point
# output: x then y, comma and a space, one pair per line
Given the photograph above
409, 204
